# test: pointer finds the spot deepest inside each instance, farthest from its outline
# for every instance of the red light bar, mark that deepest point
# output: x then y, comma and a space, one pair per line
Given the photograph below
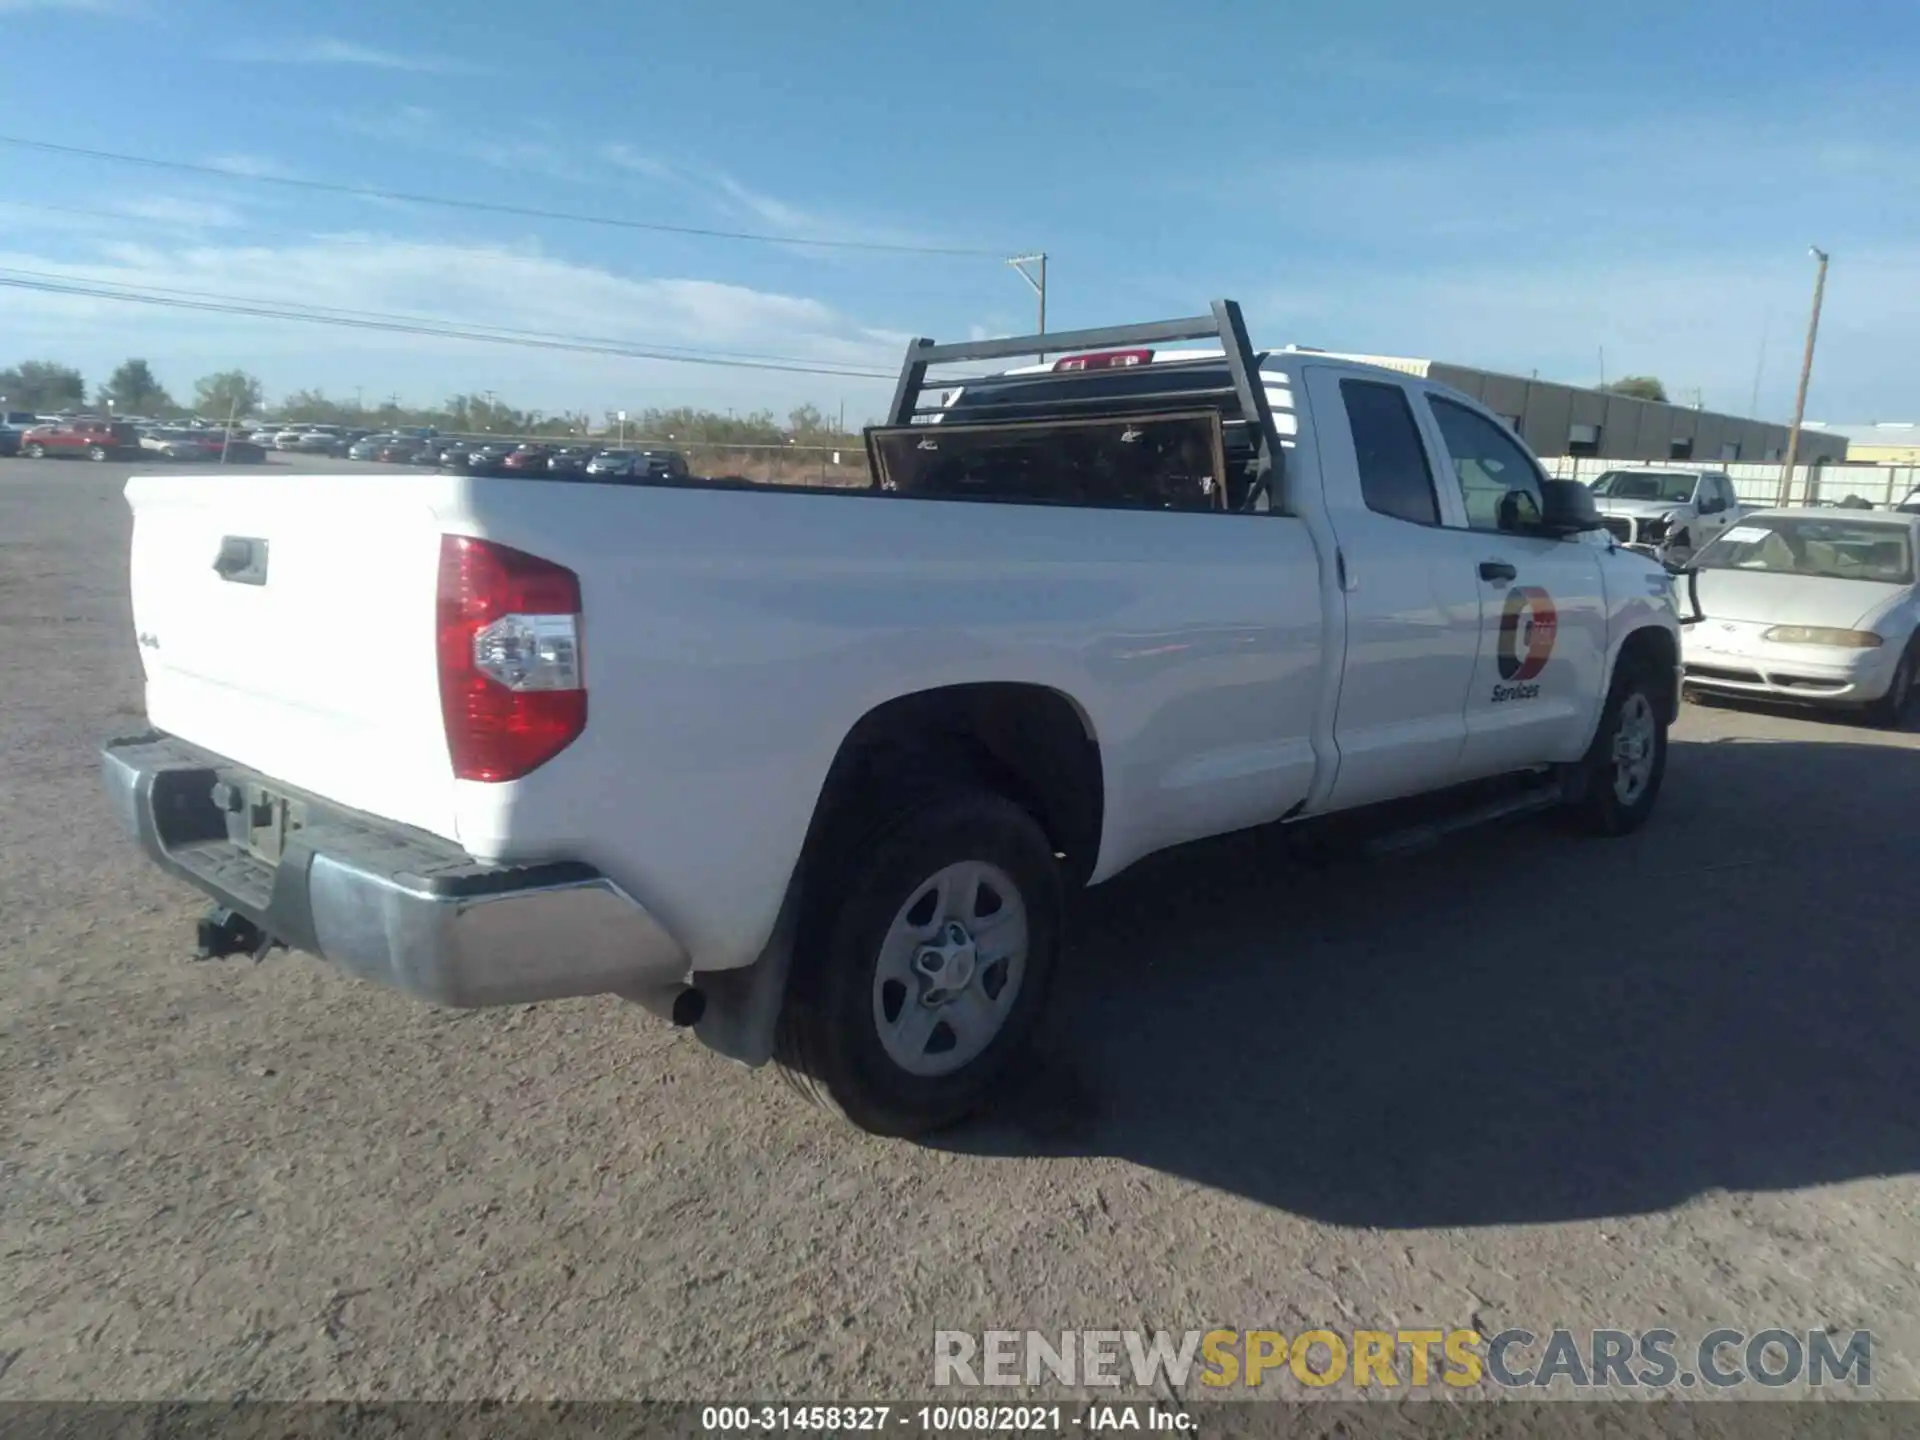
1106, 360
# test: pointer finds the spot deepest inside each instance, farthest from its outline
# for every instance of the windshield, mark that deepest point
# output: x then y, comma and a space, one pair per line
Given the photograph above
1832, 549
1668, 489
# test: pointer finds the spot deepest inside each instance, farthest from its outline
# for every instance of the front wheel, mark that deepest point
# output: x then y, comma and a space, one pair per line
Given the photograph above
919, 978
1627, 762
1891, 708
35, 452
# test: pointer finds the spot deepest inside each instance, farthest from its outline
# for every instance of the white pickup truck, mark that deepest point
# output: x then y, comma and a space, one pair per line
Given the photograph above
1670, 514
814, 771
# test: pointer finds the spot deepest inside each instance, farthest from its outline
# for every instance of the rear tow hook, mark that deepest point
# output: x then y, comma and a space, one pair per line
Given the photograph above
222, 932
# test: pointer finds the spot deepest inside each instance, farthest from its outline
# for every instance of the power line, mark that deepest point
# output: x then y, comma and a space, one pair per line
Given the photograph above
489, 207
305, 309
224, 234
237, 236
528, 340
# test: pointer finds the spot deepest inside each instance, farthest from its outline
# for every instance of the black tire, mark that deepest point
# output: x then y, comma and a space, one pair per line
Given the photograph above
35, 452
1602, 808
1890, 710
829, 1044
99, 453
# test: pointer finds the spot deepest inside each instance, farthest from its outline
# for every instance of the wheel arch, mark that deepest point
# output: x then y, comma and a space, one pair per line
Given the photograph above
1657, 649
1032, 743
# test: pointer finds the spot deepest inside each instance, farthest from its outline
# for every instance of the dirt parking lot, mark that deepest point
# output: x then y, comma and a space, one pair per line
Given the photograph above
1529, 1080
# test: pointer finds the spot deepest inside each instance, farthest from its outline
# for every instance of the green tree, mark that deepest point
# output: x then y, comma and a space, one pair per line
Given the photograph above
133, 390
807, 423
42, 385
227, 392
1638, 387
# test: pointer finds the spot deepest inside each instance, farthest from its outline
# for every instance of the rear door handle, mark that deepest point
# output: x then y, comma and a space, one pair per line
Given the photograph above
1497, 571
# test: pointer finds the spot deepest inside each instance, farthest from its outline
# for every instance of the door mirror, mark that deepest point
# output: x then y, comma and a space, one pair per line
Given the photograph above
1566, 508
1517, 512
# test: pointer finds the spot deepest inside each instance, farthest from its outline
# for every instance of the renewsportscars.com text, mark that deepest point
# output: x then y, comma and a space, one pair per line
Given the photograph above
1389, 1360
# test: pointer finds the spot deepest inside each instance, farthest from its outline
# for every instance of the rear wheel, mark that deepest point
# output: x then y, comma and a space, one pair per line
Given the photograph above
921, 973
98, 453
1628, 758
1891, 709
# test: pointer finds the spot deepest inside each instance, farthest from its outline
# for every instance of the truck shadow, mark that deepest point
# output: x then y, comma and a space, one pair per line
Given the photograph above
1524, 1026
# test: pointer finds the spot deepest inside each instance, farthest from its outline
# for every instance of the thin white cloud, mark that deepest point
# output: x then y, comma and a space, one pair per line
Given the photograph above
333, 51
777, 213
485, 287
625, 157
424, 128
180, 213
256, 166
421, 127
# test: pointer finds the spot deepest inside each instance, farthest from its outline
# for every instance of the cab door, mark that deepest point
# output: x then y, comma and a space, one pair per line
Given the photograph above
1540, 674
1413, 613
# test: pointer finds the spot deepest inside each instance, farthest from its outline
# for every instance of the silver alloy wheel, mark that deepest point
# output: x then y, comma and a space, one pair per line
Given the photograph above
950, 968
1634, 736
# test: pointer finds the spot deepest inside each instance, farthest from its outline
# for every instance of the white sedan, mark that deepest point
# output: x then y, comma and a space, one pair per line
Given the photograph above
1808, 605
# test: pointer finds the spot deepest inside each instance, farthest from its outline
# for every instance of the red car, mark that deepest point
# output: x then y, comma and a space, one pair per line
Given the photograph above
528, 459
94, 438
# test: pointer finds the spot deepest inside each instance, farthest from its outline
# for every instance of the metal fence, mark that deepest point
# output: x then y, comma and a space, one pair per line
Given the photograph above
1759, 484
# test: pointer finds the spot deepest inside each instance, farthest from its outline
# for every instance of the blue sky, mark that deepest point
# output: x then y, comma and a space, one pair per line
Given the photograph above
1517, 186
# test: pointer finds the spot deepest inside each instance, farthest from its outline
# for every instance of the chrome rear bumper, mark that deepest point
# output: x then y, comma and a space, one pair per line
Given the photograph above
388, 903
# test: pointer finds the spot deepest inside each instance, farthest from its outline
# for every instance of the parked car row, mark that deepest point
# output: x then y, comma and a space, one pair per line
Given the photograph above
508, 457
198, 442
199, 446
101, 438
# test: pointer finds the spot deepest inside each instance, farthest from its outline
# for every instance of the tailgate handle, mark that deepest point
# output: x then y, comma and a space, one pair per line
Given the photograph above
242, 560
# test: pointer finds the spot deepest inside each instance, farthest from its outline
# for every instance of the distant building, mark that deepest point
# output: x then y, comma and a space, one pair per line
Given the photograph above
1559, 419
1888, 443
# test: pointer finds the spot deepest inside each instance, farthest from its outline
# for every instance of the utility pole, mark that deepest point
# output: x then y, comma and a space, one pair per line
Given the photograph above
1806, 373
1603, 368
1038, 282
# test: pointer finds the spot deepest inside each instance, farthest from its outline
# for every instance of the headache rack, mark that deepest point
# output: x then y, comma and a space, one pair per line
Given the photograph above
1056, 436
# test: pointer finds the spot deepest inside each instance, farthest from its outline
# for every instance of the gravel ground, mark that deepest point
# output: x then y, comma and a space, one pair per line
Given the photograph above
1528, 1080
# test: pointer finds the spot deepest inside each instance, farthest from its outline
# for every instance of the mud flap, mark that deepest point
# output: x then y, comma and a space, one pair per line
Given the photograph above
743, 1006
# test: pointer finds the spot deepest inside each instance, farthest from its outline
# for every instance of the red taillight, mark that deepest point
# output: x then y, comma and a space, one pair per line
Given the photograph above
1105, 360
512, 688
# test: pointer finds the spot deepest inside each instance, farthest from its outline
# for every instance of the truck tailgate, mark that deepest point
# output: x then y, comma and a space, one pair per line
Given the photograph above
287, 622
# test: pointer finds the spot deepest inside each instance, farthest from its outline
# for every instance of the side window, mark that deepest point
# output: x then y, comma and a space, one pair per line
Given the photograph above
1488, 466
1394, 476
